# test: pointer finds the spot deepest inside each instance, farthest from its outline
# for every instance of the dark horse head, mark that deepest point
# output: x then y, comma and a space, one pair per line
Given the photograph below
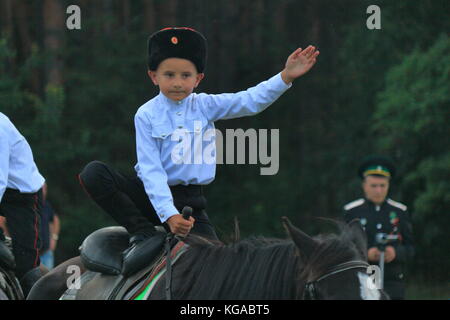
334, 266
324, 267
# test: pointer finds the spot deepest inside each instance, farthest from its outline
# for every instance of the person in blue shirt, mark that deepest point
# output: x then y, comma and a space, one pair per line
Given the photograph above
49, 231
20, 201
178, 120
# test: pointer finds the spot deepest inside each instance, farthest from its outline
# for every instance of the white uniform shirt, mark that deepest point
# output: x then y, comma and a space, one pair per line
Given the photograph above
17, 168
165, 129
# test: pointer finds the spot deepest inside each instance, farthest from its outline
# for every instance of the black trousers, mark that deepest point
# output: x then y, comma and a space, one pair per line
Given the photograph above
125, 200
23, 215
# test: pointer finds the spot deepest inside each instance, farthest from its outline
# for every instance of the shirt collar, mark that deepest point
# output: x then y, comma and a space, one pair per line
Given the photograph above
170, 102
379, 206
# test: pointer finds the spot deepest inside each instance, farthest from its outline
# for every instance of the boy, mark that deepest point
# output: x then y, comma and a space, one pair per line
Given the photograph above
165, 183
20, 201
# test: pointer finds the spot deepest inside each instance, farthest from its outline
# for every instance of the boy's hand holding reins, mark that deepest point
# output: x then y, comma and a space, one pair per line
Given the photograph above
179, 225
299, 63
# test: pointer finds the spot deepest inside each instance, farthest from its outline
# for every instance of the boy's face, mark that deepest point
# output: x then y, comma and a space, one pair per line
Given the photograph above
176, 78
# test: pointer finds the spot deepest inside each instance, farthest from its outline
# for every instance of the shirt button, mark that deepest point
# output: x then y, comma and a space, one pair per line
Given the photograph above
180, 127
178, 113
163, 135
179, 102
161, 215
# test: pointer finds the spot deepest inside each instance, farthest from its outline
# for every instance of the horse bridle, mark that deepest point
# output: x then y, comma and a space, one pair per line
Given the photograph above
310, 292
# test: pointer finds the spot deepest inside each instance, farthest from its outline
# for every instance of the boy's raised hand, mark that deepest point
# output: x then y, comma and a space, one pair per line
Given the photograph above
299, 63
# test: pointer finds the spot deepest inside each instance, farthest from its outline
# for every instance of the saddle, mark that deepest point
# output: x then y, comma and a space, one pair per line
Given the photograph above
102, 251
110, 276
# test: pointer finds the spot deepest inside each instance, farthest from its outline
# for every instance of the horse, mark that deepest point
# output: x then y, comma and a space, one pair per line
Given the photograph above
9, 285
328, 267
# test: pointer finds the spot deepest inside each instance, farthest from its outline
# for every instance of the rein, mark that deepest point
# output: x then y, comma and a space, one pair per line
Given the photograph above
186, 213
169, 238
310, 292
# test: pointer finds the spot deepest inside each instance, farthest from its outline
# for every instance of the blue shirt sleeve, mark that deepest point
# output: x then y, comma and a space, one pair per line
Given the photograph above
244, 103
151, 170
4, 162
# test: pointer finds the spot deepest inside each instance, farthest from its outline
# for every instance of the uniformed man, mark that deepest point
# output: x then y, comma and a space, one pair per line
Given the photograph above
380, 215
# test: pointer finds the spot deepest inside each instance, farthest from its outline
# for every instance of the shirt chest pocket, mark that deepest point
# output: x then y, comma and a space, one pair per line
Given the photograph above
162, 131
166, 131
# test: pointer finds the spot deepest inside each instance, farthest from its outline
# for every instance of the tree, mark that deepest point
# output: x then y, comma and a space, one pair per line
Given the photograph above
411, 122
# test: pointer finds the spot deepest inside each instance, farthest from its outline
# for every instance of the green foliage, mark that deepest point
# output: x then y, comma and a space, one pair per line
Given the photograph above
411, 121
12, 96
371, 91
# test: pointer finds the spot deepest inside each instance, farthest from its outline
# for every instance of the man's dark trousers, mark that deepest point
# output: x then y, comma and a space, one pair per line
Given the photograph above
23, 214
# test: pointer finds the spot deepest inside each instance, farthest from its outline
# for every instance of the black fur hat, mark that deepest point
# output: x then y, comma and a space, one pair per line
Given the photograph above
177, 42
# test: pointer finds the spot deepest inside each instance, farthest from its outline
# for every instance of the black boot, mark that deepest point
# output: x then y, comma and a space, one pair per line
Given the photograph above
144, 247
29, 279
137, 238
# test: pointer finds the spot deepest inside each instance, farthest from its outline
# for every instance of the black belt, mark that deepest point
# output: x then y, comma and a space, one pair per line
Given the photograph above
16, 193
15, 196
190, 195
190, 190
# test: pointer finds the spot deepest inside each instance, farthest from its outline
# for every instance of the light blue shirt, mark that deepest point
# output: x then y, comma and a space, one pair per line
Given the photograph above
166, 129
17, 168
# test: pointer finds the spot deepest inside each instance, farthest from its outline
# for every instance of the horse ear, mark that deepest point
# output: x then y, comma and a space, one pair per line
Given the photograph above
304, 243
359, 237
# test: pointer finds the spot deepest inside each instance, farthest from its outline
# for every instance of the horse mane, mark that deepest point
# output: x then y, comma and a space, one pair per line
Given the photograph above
235, 271
257, 267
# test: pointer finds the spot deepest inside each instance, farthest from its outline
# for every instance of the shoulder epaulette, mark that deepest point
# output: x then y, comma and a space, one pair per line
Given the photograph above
397, 204
353, 204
